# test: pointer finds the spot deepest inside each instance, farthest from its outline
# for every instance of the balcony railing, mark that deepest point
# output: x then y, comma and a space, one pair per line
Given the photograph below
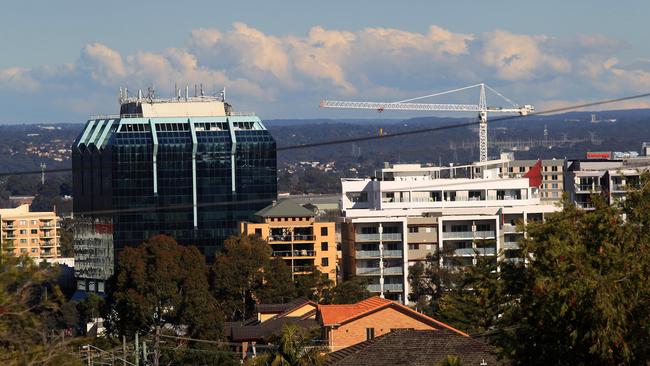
464, 251
374, 287
279, 237
367, 237
295, 253
393, 253
509, 245
588, 187
391, 236
298, 237
510, 229
367, 253
393, 287
585, 205
486, 251
393, 271
484, 234
368, 270
302, 269
458, 235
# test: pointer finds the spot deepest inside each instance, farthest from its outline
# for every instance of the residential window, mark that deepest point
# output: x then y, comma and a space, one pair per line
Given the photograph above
23, 222
370, 333
554, 177
34, 231
521, 169
324, 246
413, 229
323, 231
23, 232
34, 250
414, 246
23, 241
554, 168
357, 196
554, 185
324, 262
23, 250
510, 170
258, 231
34, 222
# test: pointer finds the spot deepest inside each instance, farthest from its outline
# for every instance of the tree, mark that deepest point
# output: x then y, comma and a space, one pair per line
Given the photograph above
428, 282
474, 301
277, 286
451, 361
347, 292
29, 302
314, 286
161, 283
583, 297
293, 349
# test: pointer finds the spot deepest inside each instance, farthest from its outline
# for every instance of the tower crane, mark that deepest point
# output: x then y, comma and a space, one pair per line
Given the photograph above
407, 105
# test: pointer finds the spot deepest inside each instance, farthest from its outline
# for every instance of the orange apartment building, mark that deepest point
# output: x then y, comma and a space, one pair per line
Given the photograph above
346, 325
294, 235
35, 234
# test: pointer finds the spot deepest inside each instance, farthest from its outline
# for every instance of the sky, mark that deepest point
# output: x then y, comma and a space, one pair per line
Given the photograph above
65, 60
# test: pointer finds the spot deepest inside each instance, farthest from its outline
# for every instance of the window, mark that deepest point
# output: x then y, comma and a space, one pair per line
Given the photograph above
370, 333
23, 250
483, 227
34, 231
258, 232
34, 250
554, 168
323, 246
521, 169
23, 241
323, 231
414, 246
413, 229
554, 177
34, 222
23, 232
357, 196
324, 262
554, 185
23, 222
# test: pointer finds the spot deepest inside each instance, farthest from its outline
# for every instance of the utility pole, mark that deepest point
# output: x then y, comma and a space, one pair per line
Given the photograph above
156, 351
137, 350
124, 348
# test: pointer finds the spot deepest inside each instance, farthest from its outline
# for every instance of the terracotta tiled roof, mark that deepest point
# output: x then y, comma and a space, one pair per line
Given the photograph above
415, 348
330, 315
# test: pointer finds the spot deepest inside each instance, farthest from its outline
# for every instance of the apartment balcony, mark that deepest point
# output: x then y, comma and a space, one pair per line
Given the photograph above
47, 244
393, 271
280, 238
489, 234
587, 188
463, 252
458, 235
391, 237
514, 260
294, 253
367, 237
47, 236
393, 287
367, 254
303, 238
368, 271
50, 226
393, 253
486, 251
9, 228
619, 187
510, 245
510, 229
374, 287
303, 269
585, 205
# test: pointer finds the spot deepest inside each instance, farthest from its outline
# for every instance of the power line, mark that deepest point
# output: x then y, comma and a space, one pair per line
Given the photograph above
398, 134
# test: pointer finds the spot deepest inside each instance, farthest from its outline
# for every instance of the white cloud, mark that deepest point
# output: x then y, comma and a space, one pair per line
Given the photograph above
285, 75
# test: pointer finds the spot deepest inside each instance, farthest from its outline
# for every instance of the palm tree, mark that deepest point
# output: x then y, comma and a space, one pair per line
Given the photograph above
293, 349
450, 361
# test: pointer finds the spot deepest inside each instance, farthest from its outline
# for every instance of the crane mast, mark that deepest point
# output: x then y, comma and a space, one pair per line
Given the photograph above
407, 105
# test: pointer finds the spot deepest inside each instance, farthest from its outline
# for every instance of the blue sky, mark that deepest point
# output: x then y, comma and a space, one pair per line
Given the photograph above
69, 57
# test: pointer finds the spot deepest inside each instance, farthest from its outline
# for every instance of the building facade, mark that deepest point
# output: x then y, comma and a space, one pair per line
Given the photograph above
552, 186
295, 236
189, 167
35, 234
409, 211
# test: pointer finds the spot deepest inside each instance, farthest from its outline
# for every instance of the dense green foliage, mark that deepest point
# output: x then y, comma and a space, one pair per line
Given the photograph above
582, 297
33, 315
294, 348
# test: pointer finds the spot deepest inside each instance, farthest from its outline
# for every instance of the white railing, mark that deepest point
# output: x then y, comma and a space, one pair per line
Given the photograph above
367, 237
367, 253
458, 235
393, 287
391, 236
367, 270
484, 234
393, 270
393, 253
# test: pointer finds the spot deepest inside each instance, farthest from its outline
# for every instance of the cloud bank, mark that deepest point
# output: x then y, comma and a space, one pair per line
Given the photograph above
285, 76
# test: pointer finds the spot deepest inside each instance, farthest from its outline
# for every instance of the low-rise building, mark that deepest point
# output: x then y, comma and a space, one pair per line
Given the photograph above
409, 211
295, 235
415, 348
35, 234
346, 325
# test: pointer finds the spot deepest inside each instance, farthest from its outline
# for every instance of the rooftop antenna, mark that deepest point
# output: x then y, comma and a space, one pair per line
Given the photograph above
223, 94
195, 91
201, 89
151, 94
139, 95
121, 96
187, 92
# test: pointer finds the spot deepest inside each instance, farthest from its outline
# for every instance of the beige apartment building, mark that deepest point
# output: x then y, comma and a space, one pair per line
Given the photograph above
35, 234
295, 236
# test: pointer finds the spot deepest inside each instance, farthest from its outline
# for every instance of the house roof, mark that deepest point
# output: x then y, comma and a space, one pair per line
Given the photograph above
415, 348
332, 315
280, 308
284, 208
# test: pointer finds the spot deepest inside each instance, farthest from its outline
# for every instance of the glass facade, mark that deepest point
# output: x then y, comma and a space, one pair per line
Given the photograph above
191, 178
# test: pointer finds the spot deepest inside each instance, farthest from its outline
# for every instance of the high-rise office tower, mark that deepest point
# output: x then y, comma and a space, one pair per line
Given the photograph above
189, 167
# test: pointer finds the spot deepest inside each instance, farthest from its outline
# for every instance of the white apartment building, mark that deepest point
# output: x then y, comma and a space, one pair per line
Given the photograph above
394, 220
